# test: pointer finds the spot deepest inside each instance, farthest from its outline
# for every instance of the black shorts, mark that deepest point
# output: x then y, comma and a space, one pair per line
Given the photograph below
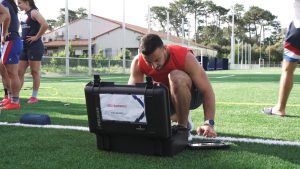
33, 52
196, 100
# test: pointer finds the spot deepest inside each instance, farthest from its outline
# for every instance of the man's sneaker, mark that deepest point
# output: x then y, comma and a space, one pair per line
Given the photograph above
5, 102
32, 100
11, 106
190, 126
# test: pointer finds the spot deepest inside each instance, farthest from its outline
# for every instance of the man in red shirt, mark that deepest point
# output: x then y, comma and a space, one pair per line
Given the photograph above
177, 68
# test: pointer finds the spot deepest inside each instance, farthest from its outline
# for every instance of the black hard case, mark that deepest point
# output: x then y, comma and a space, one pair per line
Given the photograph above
156, 137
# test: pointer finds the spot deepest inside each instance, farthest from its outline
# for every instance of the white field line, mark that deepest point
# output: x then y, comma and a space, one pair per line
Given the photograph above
232, 139
256, 140
221, 77
80, 128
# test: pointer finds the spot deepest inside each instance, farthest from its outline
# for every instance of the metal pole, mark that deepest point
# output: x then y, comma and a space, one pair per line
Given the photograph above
250, 53
246, 53
238, 60
260, 51
168, 26
201, 56
149, 23
67, 38
269, 55
182, 30
232, 38
242, 60
123, 26
90, 39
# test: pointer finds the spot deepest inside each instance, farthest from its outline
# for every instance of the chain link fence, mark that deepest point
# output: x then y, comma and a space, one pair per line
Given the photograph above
80, 66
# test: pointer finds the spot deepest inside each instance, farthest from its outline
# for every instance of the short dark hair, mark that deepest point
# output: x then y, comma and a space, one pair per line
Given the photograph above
149, 43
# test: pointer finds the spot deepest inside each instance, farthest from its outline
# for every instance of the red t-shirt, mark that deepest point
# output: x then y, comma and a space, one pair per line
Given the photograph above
176, 61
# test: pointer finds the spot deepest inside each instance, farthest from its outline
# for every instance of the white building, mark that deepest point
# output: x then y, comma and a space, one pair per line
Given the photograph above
107, 34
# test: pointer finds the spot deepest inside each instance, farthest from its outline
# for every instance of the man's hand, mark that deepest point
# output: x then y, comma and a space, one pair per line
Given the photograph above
207, 131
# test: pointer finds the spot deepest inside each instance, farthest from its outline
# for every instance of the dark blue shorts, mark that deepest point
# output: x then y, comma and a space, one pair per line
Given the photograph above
33, 52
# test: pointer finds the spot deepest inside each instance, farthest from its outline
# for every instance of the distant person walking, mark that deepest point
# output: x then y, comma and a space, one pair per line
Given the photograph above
33, 27
291, 56
11, 51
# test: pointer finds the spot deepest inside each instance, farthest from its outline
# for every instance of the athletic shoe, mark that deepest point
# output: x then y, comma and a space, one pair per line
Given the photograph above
190, 126
5, 102
32, 100
11, 106
4, 99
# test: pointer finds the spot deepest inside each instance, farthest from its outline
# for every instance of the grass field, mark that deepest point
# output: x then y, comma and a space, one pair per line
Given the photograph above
240, 96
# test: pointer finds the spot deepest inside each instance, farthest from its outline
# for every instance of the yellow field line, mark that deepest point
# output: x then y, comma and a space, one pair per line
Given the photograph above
255, 104
223, 103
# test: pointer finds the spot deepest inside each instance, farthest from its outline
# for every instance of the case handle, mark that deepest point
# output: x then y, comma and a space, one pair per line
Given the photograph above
97, 80
149, 82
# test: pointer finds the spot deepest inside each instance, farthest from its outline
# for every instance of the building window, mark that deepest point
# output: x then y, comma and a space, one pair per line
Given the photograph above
78, 52
108, 52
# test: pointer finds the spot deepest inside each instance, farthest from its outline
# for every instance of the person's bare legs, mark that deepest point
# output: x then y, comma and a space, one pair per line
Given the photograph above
21, 71
286, 85
4, 75
12, 70
35, 72
180, 87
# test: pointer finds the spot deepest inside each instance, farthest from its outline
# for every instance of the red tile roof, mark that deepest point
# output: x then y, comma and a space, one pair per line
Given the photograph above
134, 28
79, 42
144, 31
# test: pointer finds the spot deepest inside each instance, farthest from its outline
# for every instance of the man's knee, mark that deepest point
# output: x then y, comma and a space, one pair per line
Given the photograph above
179, 79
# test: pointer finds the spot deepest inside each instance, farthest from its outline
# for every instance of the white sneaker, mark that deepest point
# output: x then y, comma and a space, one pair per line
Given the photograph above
190, 126
190, 138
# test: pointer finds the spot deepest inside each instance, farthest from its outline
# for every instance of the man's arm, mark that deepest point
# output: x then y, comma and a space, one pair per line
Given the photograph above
200, 79
3, 13
136, 76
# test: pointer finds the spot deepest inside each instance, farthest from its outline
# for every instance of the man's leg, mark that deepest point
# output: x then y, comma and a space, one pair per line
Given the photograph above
286, 85
180, 87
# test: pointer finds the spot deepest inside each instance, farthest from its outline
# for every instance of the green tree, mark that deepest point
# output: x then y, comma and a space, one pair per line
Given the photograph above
51, 23
81, 13
195, 7
159, 14
73, 15
178, 11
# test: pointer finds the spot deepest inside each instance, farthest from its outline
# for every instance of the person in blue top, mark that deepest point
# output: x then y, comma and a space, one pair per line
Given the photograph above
4, 14
33, 27
11, 50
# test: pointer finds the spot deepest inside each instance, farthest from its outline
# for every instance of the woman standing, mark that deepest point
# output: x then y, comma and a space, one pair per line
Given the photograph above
11, 51
33, 27
4, 15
